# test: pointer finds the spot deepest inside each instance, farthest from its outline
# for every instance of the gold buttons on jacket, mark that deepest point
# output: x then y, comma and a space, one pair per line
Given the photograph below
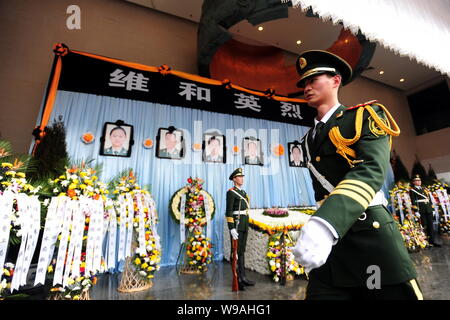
317, 159
376, 224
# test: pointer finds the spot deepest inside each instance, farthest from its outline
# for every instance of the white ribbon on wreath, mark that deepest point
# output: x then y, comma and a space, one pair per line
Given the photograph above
182, 218
72, 267
141, 224
29, 217
435, 206
53, 224
130, 217
62, 249
122, 227
400, 207
112, 233
442, 202
6, 211
153, 217
207, 204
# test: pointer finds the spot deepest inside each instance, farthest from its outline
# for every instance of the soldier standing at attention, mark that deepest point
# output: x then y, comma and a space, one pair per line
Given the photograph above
351, 247
421, 201
238, 203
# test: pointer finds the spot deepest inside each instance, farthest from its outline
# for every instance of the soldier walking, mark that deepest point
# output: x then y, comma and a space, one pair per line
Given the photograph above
351, 247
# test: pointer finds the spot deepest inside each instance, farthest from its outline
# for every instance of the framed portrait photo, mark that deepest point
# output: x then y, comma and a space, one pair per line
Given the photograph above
170, 143
214, 148
252, 152
295, 155
117, 139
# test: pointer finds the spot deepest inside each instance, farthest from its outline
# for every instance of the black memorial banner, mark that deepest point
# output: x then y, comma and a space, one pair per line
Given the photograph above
88, 74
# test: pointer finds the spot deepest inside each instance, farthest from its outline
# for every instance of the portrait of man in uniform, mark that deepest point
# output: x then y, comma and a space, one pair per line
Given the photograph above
295, 155
116, 139
214, 150
170, 143
252, 152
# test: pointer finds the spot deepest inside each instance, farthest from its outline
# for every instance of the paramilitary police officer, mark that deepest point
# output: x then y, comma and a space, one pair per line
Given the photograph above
238, 203
351, 247
421, 202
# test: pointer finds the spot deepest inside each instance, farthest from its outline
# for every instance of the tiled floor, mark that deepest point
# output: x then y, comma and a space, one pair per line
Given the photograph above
433, 267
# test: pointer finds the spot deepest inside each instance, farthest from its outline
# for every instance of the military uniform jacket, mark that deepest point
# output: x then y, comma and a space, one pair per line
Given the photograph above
420, 194
236, 203
374, 240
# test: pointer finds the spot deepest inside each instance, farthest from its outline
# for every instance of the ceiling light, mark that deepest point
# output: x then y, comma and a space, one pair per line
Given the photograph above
381, 72
402, 80
260, 28
346, 41
299, 41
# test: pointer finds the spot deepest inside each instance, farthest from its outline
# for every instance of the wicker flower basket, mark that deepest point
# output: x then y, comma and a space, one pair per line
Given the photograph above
131, 280
192, 270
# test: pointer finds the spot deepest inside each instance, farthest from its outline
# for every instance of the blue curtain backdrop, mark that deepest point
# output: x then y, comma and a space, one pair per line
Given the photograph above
274, 184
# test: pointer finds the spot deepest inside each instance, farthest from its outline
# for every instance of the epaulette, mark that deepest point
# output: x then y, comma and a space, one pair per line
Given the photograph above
379, 126
362, 105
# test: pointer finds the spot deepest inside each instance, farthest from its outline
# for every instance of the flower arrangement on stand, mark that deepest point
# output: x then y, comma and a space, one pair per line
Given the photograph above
78, 181
77, 287
197, 208
441, 205
142, 265
410, 227
278, 252
198, 251
275, 213
412, 233
13, 179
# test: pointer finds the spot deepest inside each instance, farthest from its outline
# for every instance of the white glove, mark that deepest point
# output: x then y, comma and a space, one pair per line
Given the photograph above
314, 244
234, 234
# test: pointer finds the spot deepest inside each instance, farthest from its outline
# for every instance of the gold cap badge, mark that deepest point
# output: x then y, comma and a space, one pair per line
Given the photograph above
302, 63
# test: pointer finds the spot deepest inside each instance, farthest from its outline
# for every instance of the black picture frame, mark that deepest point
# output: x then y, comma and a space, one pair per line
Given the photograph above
106, 145
209, 142
257, 159
161, 150
291, 155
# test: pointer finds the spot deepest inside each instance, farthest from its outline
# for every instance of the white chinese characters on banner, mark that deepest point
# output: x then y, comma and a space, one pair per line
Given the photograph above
190, 90
247, 101
290, 110
130, 81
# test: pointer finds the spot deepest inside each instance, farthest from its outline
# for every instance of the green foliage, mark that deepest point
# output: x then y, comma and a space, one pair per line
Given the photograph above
400, 172
418, 169
431, 174
51, 154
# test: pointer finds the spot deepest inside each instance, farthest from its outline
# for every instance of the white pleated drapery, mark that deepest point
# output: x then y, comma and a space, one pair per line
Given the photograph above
419, 29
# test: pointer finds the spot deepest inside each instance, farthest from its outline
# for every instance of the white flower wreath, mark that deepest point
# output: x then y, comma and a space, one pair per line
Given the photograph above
175, 204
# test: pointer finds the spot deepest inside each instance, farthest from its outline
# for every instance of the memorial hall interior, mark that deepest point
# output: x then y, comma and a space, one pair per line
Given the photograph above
166, 32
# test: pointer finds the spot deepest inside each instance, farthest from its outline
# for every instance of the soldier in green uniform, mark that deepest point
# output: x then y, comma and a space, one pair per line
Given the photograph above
238, 203
351, 247
421, 202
